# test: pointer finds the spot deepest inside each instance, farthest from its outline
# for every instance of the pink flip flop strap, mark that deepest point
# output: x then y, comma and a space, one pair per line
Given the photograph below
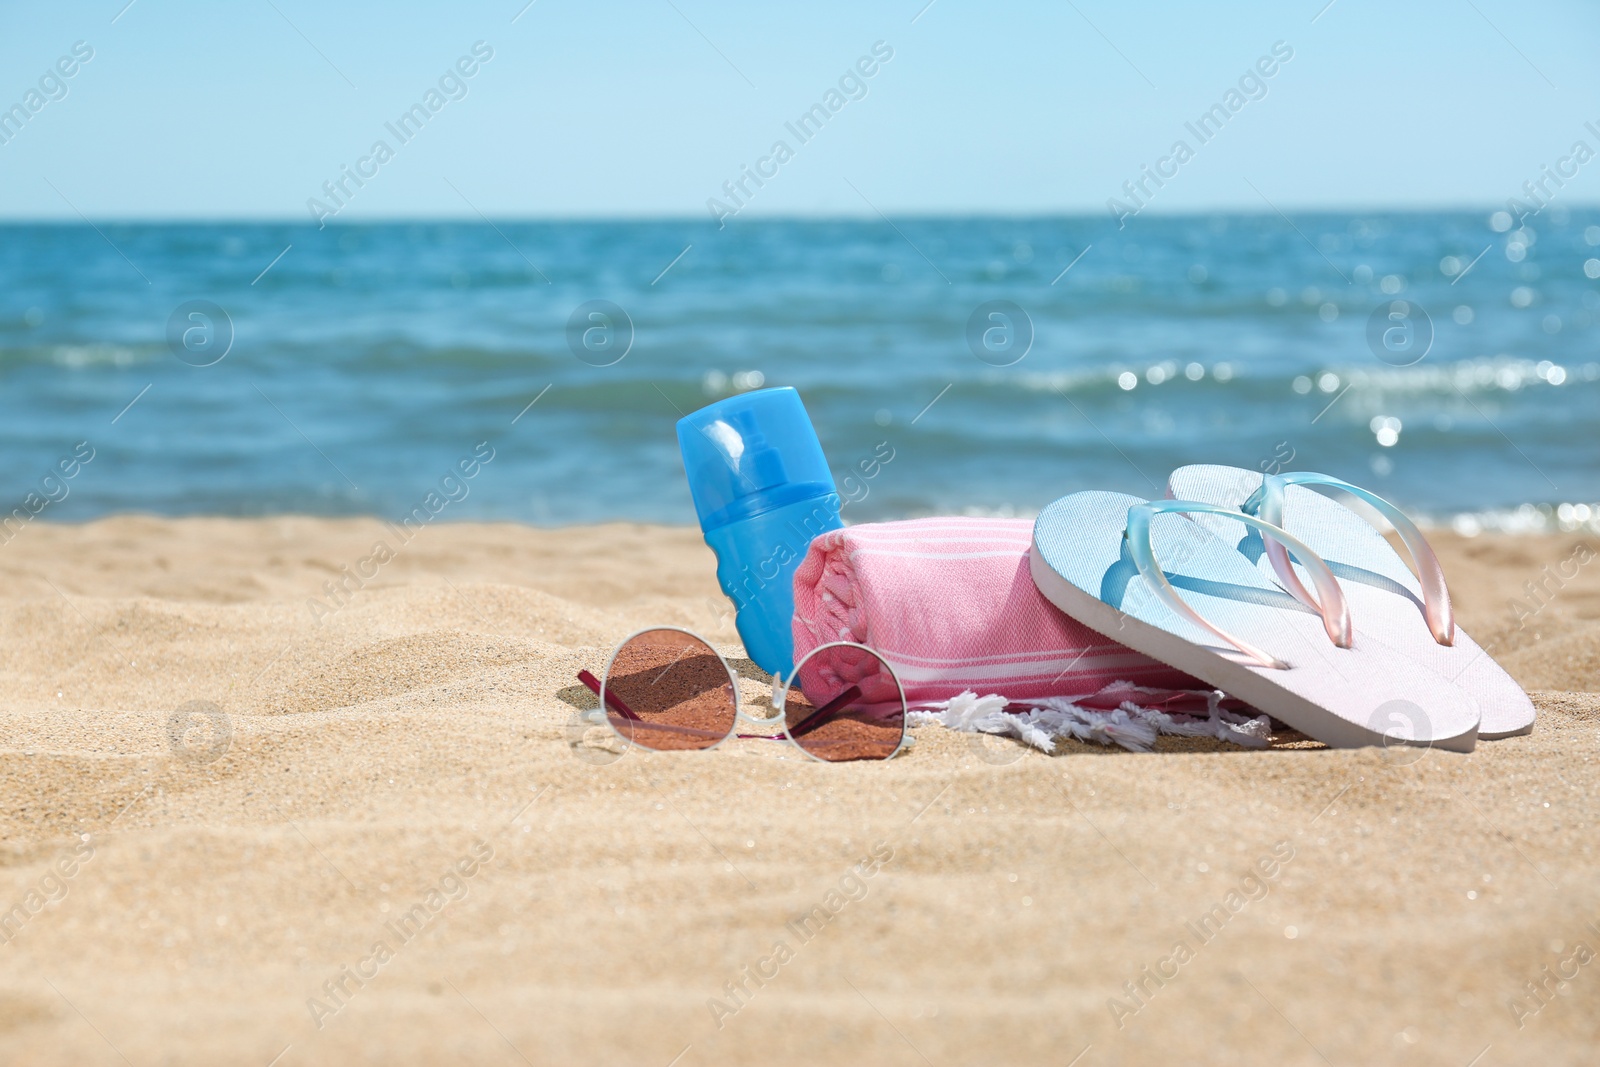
1268, 502
1334, 611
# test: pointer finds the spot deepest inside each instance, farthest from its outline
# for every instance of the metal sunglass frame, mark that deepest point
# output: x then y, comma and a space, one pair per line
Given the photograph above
598, 687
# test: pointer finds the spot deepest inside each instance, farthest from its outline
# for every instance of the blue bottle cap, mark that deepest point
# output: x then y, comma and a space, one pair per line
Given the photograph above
751, 453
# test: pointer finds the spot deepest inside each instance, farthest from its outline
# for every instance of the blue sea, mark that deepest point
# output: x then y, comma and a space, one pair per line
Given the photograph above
1447, 360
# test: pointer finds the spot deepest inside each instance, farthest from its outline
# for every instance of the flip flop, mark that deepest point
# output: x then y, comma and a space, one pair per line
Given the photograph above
1112, 562
1409, 613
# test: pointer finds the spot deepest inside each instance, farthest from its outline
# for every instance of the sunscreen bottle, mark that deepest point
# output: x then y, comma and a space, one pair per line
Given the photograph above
762, 490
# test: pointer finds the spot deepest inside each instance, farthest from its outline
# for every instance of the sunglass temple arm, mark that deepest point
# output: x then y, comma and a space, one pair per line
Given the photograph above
611, 698
826, 712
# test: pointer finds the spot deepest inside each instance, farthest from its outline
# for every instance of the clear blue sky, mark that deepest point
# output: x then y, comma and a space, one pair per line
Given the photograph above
194, 109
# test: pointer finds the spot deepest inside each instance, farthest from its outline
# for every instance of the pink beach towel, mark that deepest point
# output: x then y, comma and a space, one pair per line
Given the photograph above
951, 605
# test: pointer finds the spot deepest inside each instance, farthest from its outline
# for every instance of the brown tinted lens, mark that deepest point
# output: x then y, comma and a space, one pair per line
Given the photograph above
669, 690
845, 705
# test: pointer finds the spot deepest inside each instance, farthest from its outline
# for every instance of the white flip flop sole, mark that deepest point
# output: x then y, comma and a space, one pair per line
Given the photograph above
1385, 598
1368, 694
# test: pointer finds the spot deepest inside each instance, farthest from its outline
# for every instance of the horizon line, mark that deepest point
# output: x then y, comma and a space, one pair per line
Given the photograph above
688, 217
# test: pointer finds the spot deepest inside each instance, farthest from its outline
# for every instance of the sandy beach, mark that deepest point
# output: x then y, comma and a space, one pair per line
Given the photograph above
381, 839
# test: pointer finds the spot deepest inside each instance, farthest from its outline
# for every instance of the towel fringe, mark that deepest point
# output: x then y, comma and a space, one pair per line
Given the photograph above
1130, 725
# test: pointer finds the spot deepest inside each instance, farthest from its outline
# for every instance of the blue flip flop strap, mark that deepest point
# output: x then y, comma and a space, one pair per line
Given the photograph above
1332, 607
1268, 502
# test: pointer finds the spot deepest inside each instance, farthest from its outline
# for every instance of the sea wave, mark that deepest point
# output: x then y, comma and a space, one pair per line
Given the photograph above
1522, 519
79, 356
1484, 374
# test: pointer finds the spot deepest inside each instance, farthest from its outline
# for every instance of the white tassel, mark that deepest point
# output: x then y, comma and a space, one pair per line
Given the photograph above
1133, 727
966, 711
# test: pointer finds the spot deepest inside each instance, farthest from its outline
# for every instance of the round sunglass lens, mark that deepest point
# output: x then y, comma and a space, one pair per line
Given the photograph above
669, 690
845, 703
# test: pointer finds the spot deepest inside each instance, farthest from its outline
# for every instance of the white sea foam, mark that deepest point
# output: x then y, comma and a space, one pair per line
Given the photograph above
1522, 519
93, 356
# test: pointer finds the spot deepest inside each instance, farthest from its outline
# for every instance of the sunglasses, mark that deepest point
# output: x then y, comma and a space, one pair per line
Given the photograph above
668, 690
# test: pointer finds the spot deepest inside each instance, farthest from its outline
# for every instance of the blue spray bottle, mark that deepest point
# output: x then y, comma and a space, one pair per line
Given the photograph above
762, 490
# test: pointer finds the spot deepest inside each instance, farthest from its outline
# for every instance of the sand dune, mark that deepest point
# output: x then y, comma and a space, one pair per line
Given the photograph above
375, 834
